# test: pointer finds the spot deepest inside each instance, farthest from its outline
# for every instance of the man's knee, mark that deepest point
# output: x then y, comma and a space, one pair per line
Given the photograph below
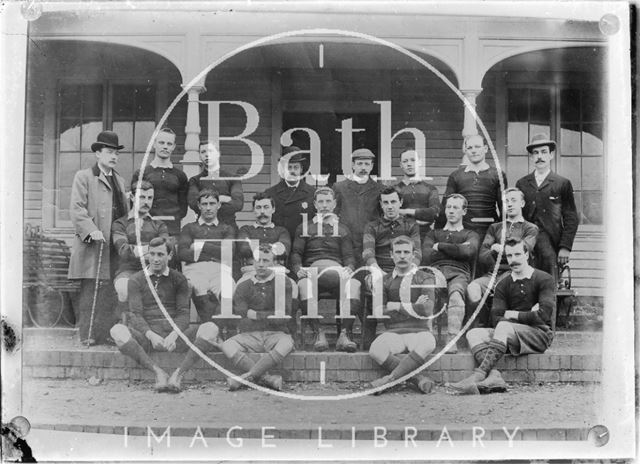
230, 348
474, 292
425, 345
379, 349
208, 332
120, 334
504, 331
477, 336
122, 288
456, 299
284, 345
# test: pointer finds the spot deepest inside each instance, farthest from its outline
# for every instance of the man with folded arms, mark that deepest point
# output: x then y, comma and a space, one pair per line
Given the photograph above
420, 199
125, 241
229, 189
479, 183
170, 183
516, 227
521, 314
452, 250
147, 328
404, 331
200, 247
262, 330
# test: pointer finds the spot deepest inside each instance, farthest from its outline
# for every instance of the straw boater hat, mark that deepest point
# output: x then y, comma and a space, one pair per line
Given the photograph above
539, 140
107, 139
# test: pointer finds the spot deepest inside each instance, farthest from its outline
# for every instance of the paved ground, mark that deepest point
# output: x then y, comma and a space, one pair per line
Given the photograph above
135, 403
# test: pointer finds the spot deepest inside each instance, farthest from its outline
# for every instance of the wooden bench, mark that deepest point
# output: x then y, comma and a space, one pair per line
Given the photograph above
46, 288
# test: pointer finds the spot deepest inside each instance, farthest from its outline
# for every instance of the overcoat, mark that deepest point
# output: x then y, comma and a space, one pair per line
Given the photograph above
291, 204
90, 210
551, 207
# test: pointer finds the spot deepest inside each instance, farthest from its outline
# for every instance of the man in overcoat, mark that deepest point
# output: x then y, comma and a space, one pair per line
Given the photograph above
97, 200
549, 204
292, 196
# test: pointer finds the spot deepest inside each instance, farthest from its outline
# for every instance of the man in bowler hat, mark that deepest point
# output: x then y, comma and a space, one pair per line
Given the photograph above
97, 200
549, 204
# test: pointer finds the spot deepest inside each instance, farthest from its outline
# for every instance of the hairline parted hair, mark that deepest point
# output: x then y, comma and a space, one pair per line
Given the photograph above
263, 196
458, 196
159, 241
515, 242
208, 193
324, 191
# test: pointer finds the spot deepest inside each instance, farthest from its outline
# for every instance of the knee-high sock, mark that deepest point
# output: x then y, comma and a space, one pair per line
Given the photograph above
266, 362
479, 351
133, 349
455, 313
355, 309
391, 363
409, 363
495, 351
204, 307
192, 356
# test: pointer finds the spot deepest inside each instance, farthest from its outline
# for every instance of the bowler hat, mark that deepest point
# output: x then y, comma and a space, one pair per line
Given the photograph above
107, 139
539, 140
296, 158
362, 153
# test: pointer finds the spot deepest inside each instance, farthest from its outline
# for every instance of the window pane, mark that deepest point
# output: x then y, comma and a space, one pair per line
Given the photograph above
517, 134
591, 106
592, 207
70, 135
569, 167
62, 208
70, 98
92, 102
90, 131
146, 102
124, 129
540, 129
123, 101
592, 173
518, 107
125, 168
144, 131
87, 160
570, 140
592, 139
569, 105
69, 164
540, 110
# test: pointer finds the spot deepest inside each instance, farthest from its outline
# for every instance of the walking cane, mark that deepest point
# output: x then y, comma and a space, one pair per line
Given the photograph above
91, 341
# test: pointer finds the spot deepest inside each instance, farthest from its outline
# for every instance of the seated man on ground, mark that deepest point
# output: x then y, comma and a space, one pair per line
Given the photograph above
256, 299
325, 243
452, 250
148, 328
522, 308
516, 227
200, 247
404, 331
125, 241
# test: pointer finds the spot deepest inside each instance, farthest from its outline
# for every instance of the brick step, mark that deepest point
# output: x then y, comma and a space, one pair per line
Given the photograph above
332, 432
107, 363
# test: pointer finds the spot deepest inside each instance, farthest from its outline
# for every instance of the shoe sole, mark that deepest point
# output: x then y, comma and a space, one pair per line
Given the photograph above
485, 390
346, 349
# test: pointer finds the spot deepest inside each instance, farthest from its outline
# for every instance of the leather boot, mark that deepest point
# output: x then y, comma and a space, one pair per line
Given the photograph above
422, 383
469, 385
135, 351
494, 383
274, 382
344, 343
